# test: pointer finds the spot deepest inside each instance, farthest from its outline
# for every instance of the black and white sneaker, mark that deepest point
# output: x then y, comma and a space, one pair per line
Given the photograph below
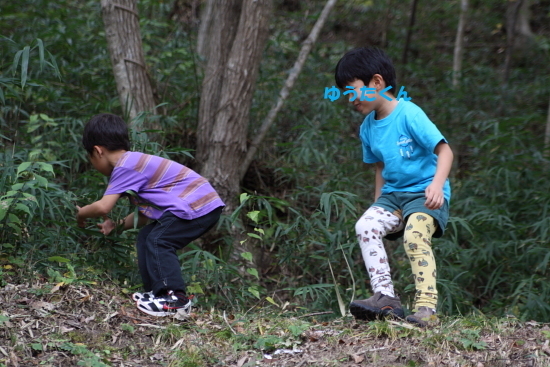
145, 295
165, 305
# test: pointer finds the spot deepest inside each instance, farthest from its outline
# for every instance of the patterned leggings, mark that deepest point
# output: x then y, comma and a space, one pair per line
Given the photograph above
376, 223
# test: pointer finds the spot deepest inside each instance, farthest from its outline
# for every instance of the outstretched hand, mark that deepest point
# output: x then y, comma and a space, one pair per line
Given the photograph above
107, 226
80, 221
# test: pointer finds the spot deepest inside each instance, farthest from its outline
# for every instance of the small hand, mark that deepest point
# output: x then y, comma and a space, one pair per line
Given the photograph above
81, 222
434, 197
107, 226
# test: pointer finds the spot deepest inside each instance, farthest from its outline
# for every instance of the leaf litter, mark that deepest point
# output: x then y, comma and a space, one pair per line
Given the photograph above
80, 325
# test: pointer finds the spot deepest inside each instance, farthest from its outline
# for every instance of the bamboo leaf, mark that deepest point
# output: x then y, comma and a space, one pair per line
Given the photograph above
16, 61
41, 53
25, 65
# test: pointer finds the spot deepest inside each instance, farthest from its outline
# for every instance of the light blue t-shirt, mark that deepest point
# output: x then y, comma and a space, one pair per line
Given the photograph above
404, 141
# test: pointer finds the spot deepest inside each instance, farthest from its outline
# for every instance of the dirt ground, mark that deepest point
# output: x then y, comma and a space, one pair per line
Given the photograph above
98, 325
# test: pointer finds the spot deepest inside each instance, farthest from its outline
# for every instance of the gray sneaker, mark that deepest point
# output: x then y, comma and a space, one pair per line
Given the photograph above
377, 306
423, 317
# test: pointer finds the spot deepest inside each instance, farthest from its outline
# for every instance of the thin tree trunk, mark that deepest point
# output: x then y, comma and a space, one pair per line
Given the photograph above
384, 37
125, 48
547, 136
524, 16
221, 145
285, 91
459, 43
511, 19
409, 32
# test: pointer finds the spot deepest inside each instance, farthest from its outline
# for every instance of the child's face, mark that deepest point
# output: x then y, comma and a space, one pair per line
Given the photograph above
365, 107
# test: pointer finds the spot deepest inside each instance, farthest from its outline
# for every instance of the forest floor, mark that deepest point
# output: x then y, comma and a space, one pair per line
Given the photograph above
98, 325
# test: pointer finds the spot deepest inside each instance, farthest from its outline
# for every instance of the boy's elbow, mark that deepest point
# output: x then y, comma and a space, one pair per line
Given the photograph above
102, 209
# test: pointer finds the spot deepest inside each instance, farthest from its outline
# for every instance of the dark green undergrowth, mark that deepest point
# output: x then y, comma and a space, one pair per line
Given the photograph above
308, 185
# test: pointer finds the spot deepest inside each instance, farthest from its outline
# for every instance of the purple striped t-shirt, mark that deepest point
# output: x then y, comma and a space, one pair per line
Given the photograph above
163, 185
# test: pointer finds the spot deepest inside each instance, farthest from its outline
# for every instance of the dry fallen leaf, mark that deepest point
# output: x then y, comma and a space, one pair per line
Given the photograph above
358, 358
42, 305
242, 361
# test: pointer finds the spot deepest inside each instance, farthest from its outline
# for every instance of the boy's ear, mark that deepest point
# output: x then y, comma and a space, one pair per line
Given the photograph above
98, 149
378, 81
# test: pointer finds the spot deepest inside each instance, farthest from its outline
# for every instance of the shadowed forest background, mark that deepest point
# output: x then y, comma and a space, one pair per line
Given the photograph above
289, 242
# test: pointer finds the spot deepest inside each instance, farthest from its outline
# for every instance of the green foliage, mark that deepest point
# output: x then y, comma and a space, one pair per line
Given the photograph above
308, 185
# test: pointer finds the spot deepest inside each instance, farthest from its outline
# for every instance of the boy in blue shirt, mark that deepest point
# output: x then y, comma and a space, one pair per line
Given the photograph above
412, 191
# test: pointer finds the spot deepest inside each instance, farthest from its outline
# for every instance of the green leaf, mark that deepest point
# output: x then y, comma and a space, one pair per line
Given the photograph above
23, 167
244, 196
42, 181
254, 291
270, 300
14, 218
247, 256
25, 65
16, 61
58, 259
54, 65
40, 53
46, 167
3, 210
253, 215
36, 346
31, 128
253, 271
23, 208
195, 288
253, 235
45, 117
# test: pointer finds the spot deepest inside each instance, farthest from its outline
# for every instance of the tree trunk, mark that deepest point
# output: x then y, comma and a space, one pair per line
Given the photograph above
204, 28
384, 36
220, 34
409, 31
124, 41
546, 153
511, 19
459, 43
524, 16
227, 91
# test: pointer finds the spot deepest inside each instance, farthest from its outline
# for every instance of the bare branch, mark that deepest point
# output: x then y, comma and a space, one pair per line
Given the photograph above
285, 91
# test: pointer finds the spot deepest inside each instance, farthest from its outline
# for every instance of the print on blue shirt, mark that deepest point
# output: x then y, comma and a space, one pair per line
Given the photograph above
405, 146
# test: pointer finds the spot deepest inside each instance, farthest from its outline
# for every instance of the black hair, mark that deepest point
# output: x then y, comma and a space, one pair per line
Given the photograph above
106, 130
362, 63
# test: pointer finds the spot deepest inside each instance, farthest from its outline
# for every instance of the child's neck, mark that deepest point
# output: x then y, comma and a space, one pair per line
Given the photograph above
385, 108
114, 156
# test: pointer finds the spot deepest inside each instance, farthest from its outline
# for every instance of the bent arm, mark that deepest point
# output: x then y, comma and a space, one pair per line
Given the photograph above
379, 180
444, 163
99, 208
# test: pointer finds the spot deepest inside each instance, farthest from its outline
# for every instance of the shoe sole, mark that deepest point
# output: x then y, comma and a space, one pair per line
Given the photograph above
370, 313
153, 313
159, 313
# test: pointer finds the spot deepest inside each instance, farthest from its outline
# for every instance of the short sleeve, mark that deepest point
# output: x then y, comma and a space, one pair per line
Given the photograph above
368, 155
124, 179
424, 132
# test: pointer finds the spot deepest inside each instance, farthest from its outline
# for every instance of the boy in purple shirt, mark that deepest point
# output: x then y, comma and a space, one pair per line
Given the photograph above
179, 205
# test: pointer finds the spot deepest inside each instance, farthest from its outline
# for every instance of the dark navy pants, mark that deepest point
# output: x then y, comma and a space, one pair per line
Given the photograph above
157, 247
